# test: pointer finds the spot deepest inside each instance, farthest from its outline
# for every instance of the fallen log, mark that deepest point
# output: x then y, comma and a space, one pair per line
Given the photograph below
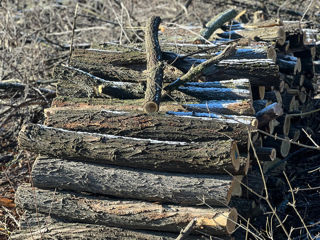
155, 66
282, 146
140, 125
182, 189
228, 107
233, 84
207, 157
135, 215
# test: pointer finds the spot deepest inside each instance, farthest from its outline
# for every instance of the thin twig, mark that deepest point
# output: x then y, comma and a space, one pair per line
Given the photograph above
73, 31
187, 230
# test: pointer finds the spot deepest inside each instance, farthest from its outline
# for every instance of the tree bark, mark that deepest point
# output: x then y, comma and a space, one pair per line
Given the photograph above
135, 215
77, 83
140, 125
228, 107
199, 70
154, 66
269, 113
266, 34
206, 157
260, 72
216, 23
183, 189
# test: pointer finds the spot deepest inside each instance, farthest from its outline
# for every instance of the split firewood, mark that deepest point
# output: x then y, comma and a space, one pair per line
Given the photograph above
156, 126
135, 215
154, 66
133, 183
202, 157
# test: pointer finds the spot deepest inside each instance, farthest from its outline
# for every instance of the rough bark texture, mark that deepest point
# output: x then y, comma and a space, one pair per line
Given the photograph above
135, 215
260, 72
77, 83
207, 157
140, 125
231, 107
267, 34
269, 113
199, 70
215, 23
154, 66
183, 189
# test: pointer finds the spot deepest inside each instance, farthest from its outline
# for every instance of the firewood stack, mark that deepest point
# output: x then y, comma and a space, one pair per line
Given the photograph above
107, 163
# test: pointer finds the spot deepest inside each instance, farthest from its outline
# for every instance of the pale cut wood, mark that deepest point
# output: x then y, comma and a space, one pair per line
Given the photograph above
136, 215
140, 125
183, 189
203, 157
154, 66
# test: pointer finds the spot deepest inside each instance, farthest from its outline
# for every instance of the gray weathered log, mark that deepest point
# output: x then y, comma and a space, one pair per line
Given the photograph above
184, 189
140, 125
135, 215
204, 157
77, 83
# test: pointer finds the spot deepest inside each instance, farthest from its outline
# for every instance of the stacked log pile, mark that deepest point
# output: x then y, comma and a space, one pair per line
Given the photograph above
135, 141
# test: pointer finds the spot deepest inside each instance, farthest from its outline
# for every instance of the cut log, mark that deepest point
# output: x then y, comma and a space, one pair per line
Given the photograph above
232, 84
77, 83
215, 23
268, 34
212, 93
273, 96
183, 189
260, 72
258, 105
195, 72
251, 122
140, 125
282, 147
228, 107
266, 153
289, 67
269, 113
154, 66
272, 125
136, 215
206, 157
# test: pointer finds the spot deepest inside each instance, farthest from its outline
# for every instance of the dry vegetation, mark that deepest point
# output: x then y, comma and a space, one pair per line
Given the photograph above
35, 36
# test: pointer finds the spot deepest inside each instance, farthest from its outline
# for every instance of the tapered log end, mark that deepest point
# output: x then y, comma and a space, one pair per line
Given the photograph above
262, 91
286, 125
151, 107
303, 95
235, 189
273, 154
235, 156
297, 67
281, 36
232, 221
272, 54
285, 147
254, 123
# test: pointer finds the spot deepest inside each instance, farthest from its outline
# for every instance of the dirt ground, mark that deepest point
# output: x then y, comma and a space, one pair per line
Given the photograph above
35, 37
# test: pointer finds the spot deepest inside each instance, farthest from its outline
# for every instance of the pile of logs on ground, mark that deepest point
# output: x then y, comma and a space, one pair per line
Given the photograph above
141, 141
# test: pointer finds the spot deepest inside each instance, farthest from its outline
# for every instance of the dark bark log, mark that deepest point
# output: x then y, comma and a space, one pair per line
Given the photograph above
267, 114
183, 189
289, 67
154, 66
282, 147
215, 23
195, 72
136, 215
273, 96
207, 157
260, 72
140, 125
266, 153
77, 83
258, 105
